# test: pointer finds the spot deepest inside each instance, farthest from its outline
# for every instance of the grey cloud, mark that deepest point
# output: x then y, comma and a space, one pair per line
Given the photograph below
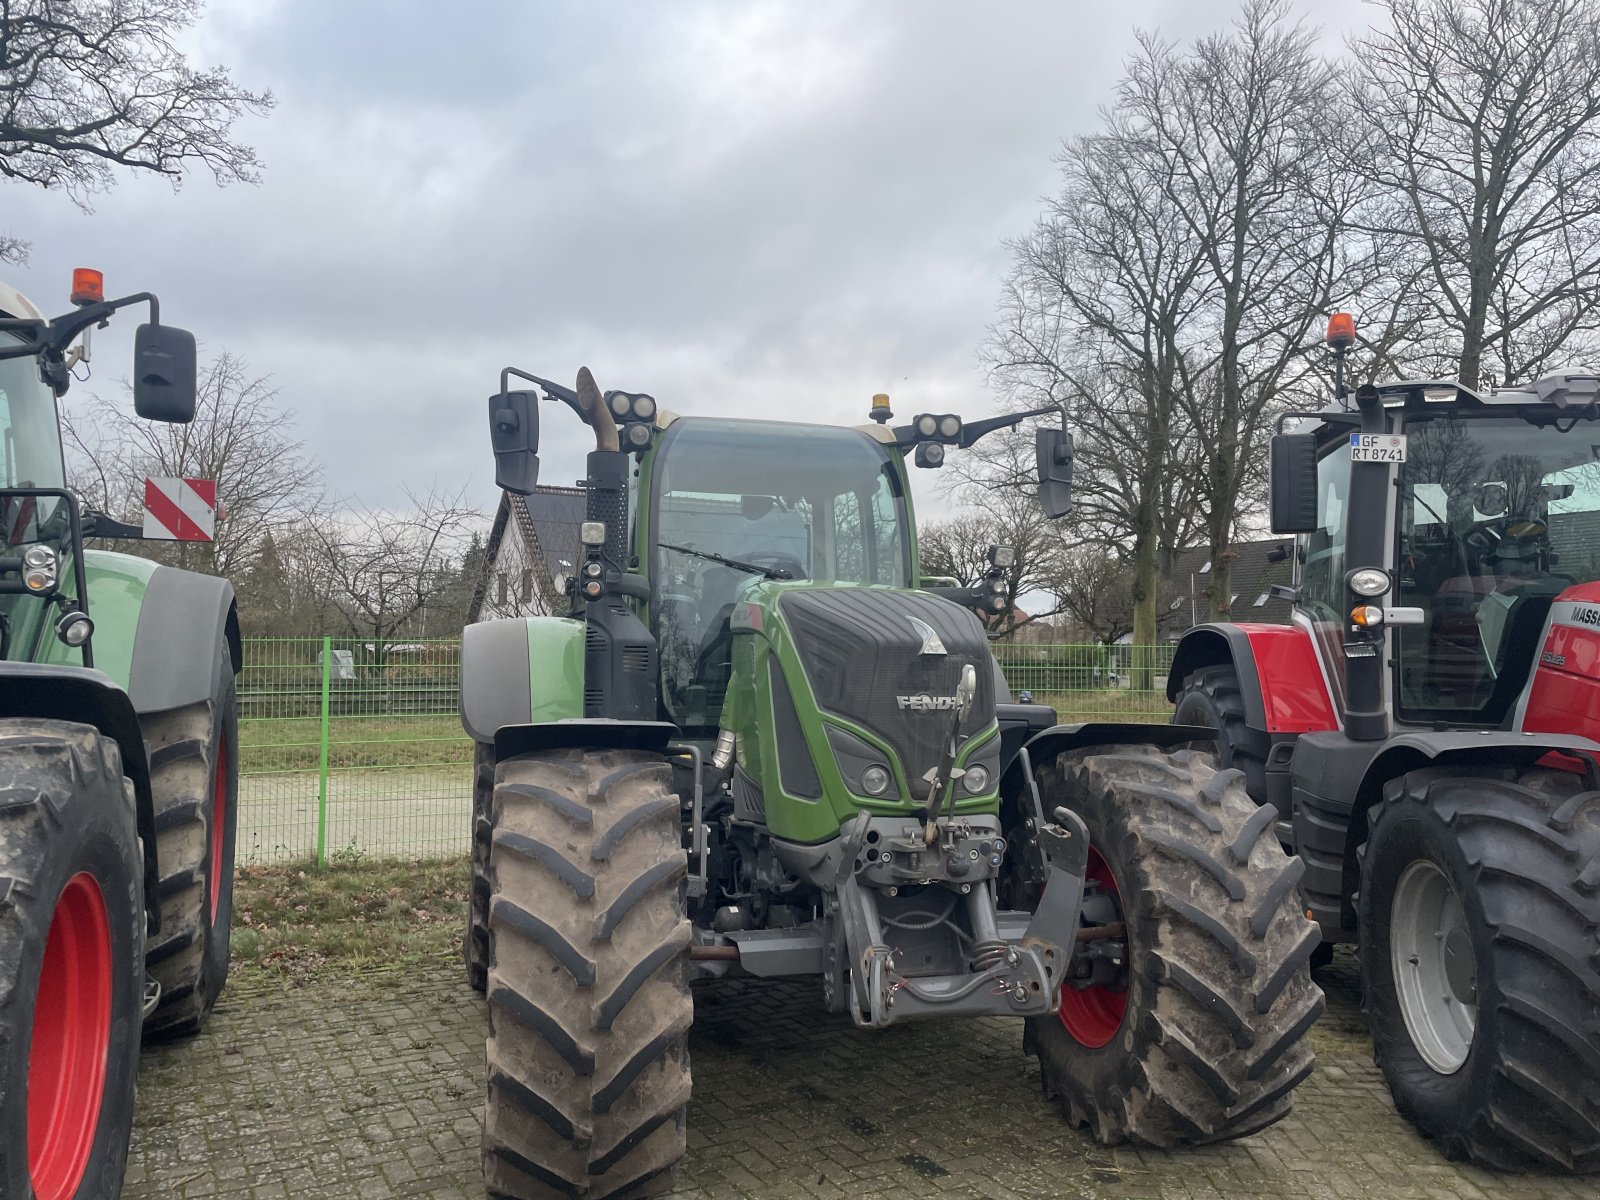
774, 209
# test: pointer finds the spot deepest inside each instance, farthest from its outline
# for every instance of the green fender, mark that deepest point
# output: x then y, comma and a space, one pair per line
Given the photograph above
156, 630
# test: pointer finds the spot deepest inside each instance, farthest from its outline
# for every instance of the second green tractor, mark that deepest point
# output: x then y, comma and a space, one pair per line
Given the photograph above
759, 742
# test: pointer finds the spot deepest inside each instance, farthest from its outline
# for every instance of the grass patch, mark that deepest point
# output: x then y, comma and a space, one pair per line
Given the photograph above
294, 923
1115, 704
294, 744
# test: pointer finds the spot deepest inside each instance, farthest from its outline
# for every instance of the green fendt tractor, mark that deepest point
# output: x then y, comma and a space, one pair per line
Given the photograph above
757, 747
117, 772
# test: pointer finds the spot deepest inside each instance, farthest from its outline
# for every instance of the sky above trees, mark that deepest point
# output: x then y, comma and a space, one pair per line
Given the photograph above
769, 209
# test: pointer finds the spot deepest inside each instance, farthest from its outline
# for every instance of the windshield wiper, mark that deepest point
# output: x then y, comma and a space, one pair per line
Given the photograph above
736, 564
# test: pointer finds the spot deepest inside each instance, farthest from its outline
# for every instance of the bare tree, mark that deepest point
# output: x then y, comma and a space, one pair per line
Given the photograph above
241, 437
1239, 122
89, 86
1097, 311
1006, 516
386, 569
1095, 589
1482, 136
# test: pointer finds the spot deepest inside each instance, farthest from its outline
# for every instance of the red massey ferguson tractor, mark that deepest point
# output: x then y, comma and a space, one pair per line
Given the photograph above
1428, 731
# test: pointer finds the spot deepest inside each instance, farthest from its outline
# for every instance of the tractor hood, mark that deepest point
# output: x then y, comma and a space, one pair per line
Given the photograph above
861, 675
890, 661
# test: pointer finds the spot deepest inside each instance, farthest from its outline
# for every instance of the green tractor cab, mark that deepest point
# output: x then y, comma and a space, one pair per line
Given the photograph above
118, 772
759, 743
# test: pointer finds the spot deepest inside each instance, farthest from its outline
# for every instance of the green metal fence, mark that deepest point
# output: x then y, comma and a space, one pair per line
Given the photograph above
349, 749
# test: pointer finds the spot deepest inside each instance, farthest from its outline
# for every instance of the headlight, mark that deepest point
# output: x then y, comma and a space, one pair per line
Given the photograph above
638, 435
619, 403
39, 567
976, 780
644, 407
927, 425
950, 427
1369, 581
875, 781
74, 628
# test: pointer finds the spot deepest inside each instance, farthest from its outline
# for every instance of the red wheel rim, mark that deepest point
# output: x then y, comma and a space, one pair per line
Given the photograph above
219, 821
1093, 1015
71, 1040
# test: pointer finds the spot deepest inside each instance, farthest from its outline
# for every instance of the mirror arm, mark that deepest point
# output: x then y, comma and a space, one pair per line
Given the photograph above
905, 436
979, 429
53, 337
63, 330
553, 390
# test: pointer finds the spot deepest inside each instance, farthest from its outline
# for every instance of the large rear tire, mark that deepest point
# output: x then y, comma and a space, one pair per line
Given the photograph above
194, 779
1480, 917
71, 961
1211, 698
589, 1005
1198, 1034
475, 946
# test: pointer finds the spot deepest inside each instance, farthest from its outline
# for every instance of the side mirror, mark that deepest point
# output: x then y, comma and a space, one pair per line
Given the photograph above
514, 433
1054, 449
1294, 482
164, 374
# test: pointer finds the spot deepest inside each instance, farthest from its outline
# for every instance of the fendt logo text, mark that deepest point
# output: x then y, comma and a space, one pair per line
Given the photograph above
926, 703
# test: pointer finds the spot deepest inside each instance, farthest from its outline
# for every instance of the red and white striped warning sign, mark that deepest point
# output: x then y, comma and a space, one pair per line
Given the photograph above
180, 510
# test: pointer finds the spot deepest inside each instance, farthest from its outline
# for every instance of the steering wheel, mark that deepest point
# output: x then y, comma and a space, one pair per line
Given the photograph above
1485, 537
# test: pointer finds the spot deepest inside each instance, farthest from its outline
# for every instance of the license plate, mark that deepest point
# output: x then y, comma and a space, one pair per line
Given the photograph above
1378, 447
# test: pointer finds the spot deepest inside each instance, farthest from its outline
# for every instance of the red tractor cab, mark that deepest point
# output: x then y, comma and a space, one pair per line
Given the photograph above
1428, 730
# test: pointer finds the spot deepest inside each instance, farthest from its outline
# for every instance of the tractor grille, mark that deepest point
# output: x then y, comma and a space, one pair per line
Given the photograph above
861, 653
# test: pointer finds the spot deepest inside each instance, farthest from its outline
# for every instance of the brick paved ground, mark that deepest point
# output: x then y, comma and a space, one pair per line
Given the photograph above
371, 1087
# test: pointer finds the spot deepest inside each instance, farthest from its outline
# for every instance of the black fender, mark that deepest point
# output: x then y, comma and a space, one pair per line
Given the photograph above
183, 619
1220, 644
1058, 739
1412, 751
90, 697
587, 733
1340, 781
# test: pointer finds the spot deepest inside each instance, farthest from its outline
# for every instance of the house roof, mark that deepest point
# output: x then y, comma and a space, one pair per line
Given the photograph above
1186, 596
547, 524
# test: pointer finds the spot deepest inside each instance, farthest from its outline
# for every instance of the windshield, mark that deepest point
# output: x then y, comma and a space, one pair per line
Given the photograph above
32, 447
30, 457
1498, 515
816, 502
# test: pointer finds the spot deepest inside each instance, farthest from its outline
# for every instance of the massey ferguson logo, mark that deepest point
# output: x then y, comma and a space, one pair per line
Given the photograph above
1585, 615
924, 703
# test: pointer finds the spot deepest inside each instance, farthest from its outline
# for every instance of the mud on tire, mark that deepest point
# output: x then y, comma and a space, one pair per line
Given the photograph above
1521, 852
194, 780
67, 817
475, 945
1219, 994
589, 1005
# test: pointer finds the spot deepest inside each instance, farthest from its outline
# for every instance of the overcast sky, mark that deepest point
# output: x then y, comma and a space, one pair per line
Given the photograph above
768, 208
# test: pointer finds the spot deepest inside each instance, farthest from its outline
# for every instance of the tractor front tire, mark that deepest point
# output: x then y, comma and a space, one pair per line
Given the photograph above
71, 961
194, 779
1211, 698
1480, 915
1200, 1037
475, 946
589, 1005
